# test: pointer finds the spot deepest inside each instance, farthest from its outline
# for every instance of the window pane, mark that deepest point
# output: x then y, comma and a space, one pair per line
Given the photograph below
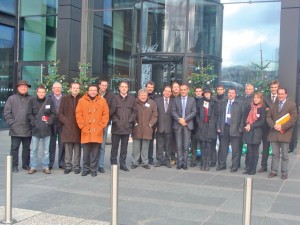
42, 7
6, 67
8, 6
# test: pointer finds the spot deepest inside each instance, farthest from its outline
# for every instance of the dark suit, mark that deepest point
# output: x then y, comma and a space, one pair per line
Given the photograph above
266, 129
164, 131
183, 133
280, 140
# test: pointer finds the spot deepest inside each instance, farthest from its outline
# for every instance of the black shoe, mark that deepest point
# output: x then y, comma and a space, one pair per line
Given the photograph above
61, 167
151, 163
26, 167
247, 168
94, 173
15, 169
124, 168
261, 170
184, 167
219, 168
158, 164
50, 167
101, 170
246, 172
233, 170
85, 173
212, 164
178, 167
146, 166
77, 171
252, 172
134, 166
67, 171
193, 164
168, 165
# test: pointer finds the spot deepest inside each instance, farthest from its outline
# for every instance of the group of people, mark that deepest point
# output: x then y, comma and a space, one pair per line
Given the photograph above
178, 121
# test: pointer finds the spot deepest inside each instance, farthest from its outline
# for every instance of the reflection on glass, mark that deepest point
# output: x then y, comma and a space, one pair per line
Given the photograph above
6, 67
8, 6
41, 7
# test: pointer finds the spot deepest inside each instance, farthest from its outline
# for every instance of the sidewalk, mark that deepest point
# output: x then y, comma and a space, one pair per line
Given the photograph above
159, 196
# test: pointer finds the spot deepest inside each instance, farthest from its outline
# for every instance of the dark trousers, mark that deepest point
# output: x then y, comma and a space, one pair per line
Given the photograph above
115, 141
56, 132
206, 152
225, 140
90, 156
150, 149
265, 152
183, 140
69, 149
173, 147
194, 146
213, 152
163, 150
14, 151
253, 155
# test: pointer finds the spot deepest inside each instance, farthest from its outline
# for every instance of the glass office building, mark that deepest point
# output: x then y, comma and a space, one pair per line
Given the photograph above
136, 41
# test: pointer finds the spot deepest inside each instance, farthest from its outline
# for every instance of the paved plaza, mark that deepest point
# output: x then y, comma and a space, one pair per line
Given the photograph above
159, 196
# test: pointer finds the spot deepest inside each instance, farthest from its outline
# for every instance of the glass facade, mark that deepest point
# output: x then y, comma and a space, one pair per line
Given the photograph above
8, 6
6, 66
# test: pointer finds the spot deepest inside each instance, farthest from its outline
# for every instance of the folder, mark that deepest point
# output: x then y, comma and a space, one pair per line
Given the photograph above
283, 119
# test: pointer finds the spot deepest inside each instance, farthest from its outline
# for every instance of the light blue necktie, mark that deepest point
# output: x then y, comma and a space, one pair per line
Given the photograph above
229, 112
183, 106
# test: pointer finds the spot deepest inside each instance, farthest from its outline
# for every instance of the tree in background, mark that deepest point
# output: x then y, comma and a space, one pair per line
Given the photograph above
84, 79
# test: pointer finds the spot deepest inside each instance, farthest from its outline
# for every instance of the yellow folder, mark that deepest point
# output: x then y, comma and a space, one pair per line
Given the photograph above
283, 119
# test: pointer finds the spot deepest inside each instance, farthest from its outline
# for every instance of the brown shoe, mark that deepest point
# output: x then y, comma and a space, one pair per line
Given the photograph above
46, 171
261, 170
272, 175
173, 162
284, 177
31, 171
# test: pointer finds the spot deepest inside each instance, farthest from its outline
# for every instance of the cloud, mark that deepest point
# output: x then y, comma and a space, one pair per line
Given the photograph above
245, 28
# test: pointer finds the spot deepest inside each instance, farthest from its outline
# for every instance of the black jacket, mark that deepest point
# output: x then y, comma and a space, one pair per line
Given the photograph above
122, 114
237, 125
37, 109
254, 136
211, 132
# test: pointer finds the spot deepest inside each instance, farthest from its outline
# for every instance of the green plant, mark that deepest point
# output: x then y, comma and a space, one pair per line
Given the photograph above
84, 79
53, 76
204, 78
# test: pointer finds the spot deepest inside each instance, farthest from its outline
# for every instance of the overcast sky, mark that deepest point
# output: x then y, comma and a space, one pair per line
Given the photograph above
245, 28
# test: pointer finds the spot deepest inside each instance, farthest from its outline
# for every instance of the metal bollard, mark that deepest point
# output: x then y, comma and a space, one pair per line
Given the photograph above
8, 197
247, 201
114, 194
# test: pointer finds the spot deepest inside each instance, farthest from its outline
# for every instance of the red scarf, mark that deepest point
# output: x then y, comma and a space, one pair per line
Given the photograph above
252, 116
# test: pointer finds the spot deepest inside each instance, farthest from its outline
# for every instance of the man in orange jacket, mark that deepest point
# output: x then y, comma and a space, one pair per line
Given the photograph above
92, 116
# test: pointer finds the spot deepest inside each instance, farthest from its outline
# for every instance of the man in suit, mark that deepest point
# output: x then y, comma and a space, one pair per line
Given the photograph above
150, 87
230, 127
268, 101
56, 97
195, 140
164, 128
281, 134
183, 112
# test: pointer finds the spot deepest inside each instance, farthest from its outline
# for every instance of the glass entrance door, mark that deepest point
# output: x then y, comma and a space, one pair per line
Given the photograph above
163, 71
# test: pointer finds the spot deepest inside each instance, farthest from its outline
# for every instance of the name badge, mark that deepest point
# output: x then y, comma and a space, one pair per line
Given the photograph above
258, 115
47, 107
205, 104
147, 104
228, 115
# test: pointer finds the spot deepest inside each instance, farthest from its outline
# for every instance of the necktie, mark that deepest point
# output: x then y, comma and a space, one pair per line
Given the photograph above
273, 98
183, 107
280, 106
228, 116
166, 105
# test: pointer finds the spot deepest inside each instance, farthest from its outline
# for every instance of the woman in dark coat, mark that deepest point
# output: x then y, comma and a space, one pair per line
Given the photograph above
207, 114
254, 118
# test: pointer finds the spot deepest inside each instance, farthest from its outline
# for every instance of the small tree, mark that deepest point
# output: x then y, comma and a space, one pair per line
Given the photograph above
53, 76
84, 80
205, 78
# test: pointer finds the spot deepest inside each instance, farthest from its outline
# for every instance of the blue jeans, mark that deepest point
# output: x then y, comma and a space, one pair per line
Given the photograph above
102, 148
34, 152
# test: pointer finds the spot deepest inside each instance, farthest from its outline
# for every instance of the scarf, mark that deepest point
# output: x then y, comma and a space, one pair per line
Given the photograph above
252, 116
